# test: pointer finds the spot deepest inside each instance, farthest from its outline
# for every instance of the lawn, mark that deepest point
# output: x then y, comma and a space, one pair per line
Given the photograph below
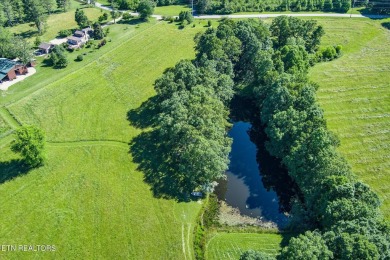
354, 91
89, 200
171, 10
56, 22
4, 127
232, 245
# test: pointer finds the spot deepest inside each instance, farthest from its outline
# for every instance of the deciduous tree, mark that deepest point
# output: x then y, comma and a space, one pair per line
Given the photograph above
145, 9
30, 143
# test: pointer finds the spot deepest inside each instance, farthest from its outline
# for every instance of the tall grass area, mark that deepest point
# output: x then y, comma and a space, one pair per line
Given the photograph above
56, 22
89, 200
232, 245
354, 91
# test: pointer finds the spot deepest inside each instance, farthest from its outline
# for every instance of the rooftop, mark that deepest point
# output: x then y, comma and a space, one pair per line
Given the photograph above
6, 65
77, 39
45, 45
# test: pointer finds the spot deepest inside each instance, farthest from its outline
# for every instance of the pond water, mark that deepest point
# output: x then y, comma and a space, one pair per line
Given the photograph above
244, 188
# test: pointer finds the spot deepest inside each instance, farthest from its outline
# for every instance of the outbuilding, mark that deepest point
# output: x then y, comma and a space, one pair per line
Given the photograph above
9, 69
45, 48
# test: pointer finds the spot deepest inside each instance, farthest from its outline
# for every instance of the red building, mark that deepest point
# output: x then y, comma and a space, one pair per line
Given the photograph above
9, 69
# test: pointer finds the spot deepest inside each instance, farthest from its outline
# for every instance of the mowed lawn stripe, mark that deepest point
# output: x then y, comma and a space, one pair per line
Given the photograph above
92, 202
92, 103
355, 95
232, 245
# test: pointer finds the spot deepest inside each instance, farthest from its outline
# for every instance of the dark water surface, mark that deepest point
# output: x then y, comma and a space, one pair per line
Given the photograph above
244, 188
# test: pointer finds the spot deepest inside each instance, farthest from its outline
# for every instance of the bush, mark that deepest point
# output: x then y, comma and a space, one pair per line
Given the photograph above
209, 23
37, 41
79, 58
186, 15
89, 44
102, 43
106, 31
64, 33
126, 16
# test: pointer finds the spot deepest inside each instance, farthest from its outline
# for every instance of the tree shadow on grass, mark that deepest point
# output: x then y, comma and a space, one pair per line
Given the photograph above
149, 151
133, 21
28, 34
146, 115
12, 169
386, 25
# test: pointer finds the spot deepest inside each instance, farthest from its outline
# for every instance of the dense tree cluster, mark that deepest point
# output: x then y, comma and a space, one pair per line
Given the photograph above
193, 122
14, 47
269, 65
233, 6
133, 4
379, 6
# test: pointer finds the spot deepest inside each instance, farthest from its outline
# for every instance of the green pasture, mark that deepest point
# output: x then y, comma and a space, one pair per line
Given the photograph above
56, 22
89, 200
354, 91
232, 245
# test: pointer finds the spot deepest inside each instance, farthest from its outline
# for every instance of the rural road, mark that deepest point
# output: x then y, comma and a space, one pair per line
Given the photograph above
259, 15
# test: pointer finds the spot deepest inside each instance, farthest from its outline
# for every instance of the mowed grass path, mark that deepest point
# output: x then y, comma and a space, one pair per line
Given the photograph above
355, 94
232, 245
89, 200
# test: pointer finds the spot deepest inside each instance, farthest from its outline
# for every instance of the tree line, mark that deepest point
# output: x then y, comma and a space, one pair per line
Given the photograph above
338, 216
233, 6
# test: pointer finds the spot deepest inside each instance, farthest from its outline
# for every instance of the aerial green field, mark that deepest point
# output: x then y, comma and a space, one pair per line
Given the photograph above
56, 22
171, 10
355, 94
89, 200
232, 245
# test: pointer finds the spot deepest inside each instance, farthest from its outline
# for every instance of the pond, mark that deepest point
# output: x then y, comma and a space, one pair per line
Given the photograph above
244, 188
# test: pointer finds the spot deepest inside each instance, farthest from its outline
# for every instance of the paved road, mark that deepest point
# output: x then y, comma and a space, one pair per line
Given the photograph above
240, 16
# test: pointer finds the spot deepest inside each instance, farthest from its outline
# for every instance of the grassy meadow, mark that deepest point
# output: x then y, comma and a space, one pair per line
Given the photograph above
232, 245
171, 10
90, 200
56, 22
354, 92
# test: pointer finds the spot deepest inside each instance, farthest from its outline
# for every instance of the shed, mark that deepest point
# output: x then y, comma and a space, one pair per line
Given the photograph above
45, 47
